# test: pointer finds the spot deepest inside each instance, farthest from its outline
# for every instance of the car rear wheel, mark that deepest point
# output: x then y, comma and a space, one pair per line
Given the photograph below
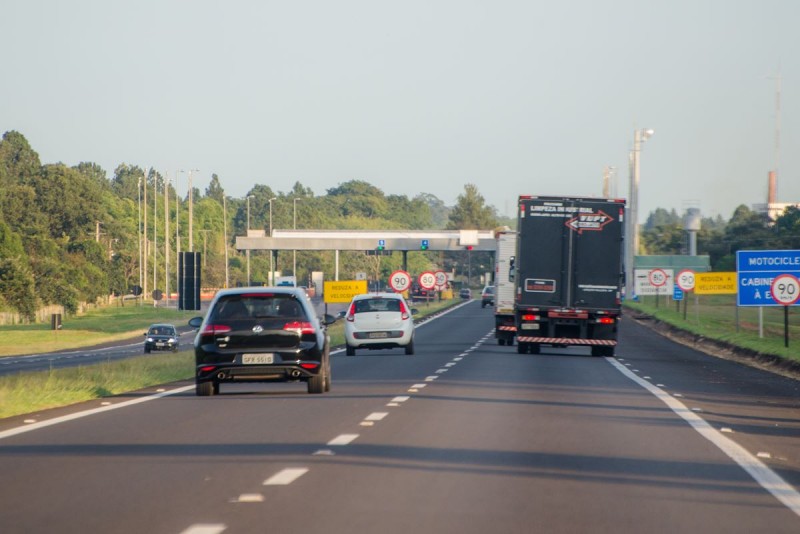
204, 389
316, 383
350, 350
147, 350
410, 348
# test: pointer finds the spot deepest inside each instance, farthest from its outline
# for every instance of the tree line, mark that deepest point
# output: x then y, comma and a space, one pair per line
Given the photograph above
71, 234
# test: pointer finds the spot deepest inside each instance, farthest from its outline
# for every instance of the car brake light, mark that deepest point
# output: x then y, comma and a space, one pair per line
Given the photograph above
606, 320
301, 327
309, 365
214, 329
351, 314
207, 368
528, 317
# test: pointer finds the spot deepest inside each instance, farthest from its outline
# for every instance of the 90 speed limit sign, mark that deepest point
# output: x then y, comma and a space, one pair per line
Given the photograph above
400, 281
785, 289
427, 280
685, 280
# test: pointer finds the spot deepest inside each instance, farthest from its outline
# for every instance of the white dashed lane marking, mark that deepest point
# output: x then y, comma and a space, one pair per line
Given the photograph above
401, 399
285, 477
343, 439
205, 528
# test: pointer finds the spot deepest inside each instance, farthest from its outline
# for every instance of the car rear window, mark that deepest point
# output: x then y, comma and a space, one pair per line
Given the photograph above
377, 305
256, 306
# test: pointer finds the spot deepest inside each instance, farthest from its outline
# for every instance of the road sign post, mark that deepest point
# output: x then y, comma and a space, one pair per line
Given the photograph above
785, 290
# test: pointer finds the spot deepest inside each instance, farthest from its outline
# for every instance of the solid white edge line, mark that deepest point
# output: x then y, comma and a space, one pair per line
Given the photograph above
286, 476
766, 477
71, 417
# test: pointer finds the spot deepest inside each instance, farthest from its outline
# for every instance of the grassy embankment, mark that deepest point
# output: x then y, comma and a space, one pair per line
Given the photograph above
29, 392
715, 317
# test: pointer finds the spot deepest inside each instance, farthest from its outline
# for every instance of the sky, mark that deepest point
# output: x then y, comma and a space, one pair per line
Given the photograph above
517, 97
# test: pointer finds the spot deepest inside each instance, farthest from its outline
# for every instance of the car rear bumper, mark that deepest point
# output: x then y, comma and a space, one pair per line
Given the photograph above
231, 372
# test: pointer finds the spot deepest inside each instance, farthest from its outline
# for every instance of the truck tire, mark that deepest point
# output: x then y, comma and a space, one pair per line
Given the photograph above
535, 348
501, 341
522, 348
510, 341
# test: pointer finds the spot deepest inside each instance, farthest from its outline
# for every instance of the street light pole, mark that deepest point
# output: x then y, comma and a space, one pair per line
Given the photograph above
271, 266
248, 234
294, 226
632, 226
191, 210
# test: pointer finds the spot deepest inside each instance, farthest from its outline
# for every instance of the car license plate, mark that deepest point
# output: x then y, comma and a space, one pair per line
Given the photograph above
258, 358
530, 326
378, 335
159, 344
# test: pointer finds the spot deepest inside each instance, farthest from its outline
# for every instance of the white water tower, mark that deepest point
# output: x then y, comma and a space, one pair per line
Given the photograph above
691, 223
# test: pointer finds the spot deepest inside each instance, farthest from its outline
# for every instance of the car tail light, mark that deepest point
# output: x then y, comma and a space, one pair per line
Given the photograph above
207, 368
606, 320
530, 317
301, 327
351, 313
404, 311
309, 365
214, 329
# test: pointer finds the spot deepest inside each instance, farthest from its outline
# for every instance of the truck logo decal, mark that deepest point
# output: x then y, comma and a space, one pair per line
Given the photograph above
589, 221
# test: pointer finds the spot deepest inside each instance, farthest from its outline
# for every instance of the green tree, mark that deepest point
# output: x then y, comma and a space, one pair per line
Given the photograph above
471, 212
215, 190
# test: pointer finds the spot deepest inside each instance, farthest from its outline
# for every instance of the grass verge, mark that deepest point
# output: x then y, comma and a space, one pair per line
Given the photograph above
30, 392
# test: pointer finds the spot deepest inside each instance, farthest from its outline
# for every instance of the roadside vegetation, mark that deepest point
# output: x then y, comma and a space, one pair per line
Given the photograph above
715, 317
26, 393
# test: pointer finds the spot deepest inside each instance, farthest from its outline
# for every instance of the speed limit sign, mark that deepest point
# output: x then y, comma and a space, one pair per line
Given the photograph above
685, 280
785, 289
441, 279
657, 277
400, 281
427, 280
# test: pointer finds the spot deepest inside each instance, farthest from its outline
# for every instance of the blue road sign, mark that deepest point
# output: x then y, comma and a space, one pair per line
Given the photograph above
756, 269
677, 293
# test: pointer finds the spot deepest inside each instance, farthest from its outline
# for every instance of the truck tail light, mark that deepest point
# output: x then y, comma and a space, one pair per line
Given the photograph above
530, 317
606, 320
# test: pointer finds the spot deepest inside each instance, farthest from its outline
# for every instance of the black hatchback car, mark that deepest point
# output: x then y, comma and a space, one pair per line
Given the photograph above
261, 334
161, 337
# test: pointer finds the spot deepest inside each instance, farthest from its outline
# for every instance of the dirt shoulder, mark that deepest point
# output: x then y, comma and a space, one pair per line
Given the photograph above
720, 349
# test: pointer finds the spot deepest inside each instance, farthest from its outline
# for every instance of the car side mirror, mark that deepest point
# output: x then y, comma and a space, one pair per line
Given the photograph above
328, 319
195, 322
414, 311
511, 268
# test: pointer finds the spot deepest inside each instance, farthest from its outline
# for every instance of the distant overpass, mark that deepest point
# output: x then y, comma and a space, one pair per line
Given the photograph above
392, 240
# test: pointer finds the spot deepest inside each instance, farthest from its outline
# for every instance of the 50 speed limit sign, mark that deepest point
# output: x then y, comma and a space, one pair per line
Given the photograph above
685, 280
427, 280
441, 279
785, 289
400, 281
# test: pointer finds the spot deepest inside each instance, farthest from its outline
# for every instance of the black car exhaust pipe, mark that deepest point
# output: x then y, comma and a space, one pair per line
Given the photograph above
295, 373
221, 375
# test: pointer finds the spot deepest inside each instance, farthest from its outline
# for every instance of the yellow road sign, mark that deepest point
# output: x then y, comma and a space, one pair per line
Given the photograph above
715, 283
343, 291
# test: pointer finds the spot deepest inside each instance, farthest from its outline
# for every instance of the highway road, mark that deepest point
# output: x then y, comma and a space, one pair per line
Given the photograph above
464, 437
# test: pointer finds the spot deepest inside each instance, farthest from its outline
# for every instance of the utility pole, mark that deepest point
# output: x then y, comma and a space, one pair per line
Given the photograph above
191, 210
166, 237
139, 229
155, 236
225, 233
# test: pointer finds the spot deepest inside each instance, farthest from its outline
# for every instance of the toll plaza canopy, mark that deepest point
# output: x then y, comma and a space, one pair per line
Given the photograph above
402, 240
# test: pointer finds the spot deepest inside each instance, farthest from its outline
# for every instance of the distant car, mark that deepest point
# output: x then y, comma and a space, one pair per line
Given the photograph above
161, 337
261, 334
487, 296
379, 321
465, 293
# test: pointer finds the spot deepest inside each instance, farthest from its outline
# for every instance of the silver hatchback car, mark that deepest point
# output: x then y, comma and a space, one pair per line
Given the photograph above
379, 321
